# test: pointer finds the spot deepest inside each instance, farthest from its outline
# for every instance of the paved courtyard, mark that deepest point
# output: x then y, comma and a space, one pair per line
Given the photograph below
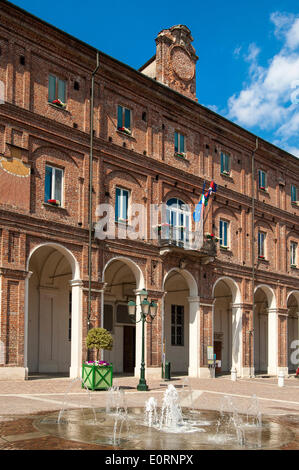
22, 401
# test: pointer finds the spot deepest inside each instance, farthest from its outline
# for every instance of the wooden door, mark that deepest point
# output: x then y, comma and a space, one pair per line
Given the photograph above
217, 351
129, 348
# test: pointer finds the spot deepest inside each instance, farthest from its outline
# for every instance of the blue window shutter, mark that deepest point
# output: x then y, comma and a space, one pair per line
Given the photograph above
227, 163
222, 166
119, 117
62, 90
221, 233
127, 119
225, 233
58, 185
182, 143
294, 193
48, 183
52, 88
176, 142
125, 196
117, 204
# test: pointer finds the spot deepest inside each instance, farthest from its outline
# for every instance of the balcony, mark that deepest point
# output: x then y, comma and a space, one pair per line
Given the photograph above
176, 240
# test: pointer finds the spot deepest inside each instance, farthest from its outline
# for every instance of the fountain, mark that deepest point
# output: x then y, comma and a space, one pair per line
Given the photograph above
170, 426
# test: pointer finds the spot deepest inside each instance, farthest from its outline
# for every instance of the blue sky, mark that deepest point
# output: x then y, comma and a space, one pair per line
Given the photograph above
248, 67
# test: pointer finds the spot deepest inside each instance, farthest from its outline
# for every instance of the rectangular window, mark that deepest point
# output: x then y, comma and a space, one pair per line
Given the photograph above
177, 325
262, 179
225, 166
293, 193
123, 119
294, 247
121, 205
57, 89
223, 232
179, 143
261, 244
54, 185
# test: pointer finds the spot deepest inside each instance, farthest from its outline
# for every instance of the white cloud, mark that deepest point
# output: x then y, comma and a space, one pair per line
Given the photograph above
270, 98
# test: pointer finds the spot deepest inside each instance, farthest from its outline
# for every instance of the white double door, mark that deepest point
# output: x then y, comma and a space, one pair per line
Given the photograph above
54, 332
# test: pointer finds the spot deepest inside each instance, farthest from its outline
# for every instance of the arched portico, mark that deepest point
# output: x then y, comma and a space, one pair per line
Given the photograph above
53, 311
265, 330
180, 321
293, 331
123, 280
227, 325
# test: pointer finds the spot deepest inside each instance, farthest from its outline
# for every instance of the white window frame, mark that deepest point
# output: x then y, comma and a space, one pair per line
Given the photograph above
227, 233
262, 188
293, 249
263, 254
119, 219
55, 168
228, 159
180, 151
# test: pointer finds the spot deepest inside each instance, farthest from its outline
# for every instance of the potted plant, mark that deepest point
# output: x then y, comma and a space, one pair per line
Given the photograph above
98, 375
54, 202
59, 103
125, 130
211, 236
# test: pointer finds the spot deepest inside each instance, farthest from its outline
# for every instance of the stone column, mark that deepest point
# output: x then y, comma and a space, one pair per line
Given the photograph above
77, 329
206, 336
194, 336
236, 310
272, 341
247, 344
26, 323
282, 341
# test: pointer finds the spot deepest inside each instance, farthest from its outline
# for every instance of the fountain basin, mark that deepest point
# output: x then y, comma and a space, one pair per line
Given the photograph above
129, 431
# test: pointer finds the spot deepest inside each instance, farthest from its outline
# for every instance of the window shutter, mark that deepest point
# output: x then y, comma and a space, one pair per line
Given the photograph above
125, 196
52, 88
48, 183
119, 117
58, 185
176, 142
127, 119
61, 90
182, 143
225, 233
117, 204
222, 163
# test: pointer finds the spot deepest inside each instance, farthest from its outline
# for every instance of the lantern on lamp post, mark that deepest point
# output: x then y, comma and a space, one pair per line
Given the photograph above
148, 309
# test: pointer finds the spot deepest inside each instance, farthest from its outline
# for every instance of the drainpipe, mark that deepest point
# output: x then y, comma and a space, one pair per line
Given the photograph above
90, 190
251, 350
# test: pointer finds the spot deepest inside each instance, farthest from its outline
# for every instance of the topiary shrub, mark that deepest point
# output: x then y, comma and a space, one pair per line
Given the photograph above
99, 338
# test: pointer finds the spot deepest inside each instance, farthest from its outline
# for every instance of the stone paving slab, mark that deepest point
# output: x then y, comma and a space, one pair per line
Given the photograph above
21, 401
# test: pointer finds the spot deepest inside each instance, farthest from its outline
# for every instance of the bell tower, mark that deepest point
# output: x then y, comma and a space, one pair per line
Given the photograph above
175, 62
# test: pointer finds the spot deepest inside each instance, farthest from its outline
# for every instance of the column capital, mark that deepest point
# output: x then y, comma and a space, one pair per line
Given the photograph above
76, 283
195, 298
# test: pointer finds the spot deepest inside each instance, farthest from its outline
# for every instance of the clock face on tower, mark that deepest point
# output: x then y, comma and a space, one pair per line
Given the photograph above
182, 65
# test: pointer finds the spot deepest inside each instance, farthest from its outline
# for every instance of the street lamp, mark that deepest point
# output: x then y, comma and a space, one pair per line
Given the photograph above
148, 309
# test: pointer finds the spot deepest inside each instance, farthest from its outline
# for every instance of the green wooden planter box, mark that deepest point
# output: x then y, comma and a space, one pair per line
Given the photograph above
97, 377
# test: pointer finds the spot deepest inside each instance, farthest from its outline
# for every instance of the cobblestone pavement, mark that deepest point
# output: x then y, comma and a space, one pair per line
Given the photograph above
22, 401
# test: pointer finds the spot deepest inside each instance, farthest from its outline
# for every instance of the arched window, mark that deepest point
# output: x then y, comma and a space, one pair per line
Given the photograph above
178, 219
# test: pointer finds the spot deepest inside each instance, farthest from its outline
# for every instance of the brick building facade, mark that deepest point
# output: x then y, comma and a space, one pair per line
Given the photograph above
153, 143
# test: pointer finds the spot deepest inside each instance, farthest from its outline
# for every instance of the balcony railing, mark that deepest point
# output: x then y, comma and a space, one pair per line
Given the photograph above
179, 238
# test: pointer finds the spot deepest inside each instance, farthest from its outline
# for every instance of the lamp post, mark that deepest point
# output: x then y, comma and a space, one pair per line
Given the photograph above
148, 309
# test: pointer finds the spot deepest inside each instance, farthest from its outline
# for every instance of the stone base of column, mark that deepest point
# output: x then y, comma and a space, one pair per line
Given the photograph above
247, 372
285, 370
13, 373
206, 373
75, 373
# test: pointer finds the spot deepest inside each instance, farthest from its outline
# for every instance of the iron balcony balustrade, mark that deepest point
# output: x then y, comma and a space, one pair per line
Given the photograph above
181, 241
